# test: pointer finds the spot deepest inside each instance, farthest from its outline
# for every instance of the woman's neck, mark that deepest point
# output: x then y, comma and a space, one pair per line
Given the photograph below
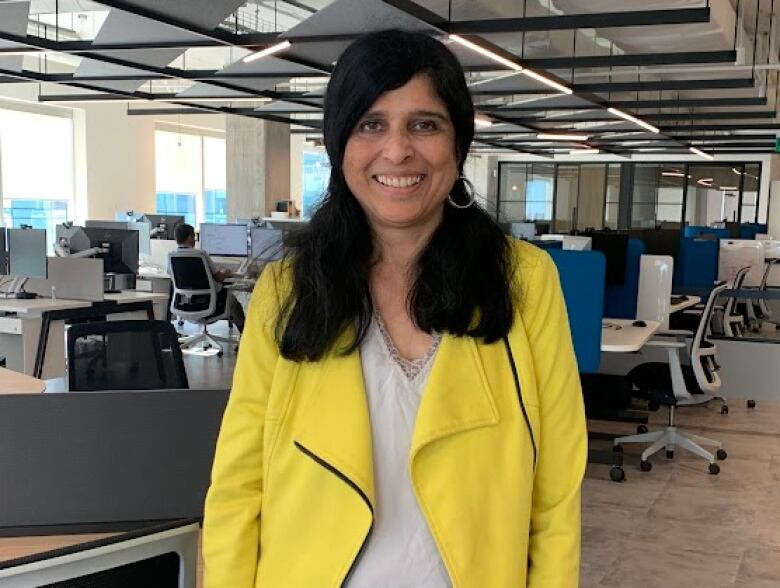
399, 248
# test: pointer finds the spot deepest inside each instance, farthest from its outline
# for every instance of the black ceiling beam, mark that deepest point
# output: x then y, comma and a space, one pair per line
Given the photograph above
655, 86
594, 20
669, 116
165, 73
629, 60
726, 138
690, 102
743, 127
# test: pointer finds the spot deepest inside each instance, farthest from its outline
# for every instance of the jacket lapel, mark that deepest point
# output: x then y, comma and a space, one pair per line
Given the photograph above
335, 425
457, 396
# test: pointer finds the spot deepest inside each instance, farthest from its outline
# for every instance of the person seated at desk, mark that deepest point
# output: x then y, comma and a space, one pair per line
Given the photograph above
185, 239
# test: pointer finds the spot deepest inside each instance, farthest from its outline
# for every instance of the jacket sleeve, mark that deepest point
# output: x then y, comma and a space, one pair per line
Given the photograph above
231, 526
554, 546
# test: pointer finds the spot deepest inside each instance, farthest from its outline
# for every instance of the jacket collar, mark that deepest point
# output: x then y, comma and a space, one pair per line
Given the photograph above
335, 425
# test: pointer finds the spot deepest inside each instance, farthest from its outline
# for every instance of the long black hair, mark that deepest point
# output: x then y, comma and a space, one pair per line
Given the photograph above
462, 285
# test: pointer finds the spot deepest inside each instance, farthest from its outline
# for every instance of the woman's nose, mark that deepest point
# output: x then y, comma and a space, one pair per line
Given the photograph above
398, 146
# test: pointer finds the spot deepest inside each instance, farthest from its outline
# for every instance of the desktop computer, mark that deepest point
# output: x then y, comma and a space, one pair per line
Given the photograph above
26, 258
143, 228
3, 255
224, 240
525, 231
118, 248
163, 226
266, 243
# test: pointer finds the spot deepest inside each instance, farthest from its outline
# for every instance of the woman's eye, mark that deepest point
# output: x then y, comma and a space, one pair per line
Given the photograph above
370, 126
424, 125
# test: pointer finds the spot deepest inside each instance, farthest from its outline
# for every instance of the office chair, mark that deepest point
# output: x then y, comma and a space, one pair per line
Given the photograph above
124, 355
734, 321
670, 384
758, 311
195, 298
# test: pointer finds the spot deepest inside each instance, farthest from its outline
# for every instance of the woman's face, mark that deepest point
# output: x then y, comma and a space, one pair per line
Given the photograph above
399, 161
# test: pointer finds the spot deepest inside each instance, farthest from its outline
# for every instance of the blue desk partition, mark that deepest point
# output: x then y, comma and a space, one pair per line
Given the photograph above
749, 230
697, 231
582, 280
697, 264
548, 244
620, 301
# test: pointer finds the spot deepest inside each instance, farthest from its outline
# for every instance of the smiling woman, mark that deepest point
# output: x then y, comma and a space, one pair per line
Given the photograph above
406, 409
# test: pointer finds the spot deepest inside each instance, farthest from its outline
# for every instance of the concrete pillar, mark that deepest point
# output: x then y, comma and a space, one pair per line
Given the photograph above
258, 165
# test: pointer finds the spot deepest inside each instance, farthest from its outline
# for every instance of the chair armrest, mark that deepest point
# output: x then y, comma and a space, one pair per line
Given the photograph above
674, 333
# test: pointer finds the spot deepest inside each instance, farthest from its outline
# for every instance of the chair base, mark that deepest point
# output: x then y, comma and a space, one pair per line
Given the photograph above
669, 438
203, 342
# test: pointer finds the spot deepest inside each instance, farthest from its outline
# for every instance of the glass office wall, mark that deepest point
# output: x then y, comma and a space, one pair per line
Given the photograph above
612, 196
587, 195
527, 191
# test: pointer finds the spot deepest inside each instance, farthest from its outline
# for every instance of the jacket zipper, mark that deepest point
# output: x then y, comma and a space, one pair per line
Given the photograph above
357, 489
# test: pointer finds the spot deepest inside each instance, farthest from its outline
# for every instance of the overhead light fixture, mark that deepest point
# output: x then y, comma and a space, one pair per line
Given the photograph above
561, 137
584, 152
705, 182
729, 188
486, 52
24, 52
700, 153
736, 171
634, 120
673, 174
547, 81
267, 51
482, 121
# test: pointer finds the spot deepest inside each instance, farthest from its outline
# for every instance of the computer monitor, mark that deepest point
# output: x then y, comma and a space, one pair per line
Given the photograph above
225, 240
27, 253
143, 229
3, 255
163, 225
122, 245
165, 555
266, 243
542, 228
660, 241
614, 246
525, 231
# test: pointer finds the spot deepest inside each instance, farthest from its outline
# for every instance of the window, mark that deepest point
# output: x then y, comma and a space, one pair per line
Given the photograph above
316, 175
526, 191
30, 197
191, 176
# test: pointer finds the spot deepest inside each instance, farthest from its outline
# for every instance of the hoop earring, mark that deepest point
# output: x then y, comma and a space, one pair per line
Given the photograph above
468, 188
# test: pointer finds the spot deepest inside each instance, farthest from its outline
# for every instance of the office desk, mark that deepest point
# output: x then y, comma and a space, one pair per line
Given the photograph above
12, 382
159, 301
691, 301
621, 336
20, 333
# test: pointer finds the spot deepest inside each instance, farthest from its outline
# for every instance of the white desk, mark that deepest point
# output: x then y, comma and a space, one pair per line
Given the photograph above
621, 336
691, 301
158, 300
19, 334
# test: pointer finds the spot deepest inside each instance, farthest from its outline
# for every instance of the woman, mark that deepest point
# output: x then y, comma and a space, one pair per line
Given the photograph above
406, 408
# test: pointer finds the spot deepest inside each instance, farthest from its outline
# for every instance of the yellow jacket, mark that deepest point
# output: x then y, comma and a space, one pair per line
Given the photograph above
290, 504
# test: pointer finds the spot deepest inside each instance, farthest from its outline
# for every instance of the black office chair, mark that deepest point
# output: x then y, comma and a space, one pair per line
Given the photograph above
124, 355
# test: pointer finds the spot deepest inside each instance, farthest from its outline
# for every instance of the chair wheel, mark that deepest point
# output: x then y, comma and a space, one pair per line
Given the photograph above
645, 465
616, 474
714, 469
180, 323
751, 403
669, 454
721, 454
219, 354
724, 409
641, 429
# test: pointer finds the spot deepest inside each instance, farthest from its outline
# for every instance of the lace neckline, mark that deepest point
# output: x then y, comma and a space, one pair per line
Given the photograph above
411, 368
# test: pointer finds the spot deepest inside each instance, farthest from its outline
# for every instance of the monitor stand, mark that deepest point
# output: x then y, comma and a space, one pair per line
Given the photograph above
25, 295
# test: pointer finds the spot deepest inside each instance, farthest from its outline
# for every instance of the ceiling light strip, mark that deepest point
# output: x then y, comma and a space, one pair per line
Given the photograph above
486, 52
561, 137
482, 121
584, 152
634, 120
547, 81
267, 51
700, 153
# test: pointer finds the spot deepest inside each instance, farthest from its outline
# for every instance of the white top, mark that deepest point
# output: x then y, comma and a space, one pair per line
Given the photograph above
401, 552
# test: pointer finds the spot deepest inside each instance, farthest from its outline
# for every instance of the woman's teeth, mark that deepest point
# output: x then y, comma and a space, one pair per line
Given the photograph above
399, 182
